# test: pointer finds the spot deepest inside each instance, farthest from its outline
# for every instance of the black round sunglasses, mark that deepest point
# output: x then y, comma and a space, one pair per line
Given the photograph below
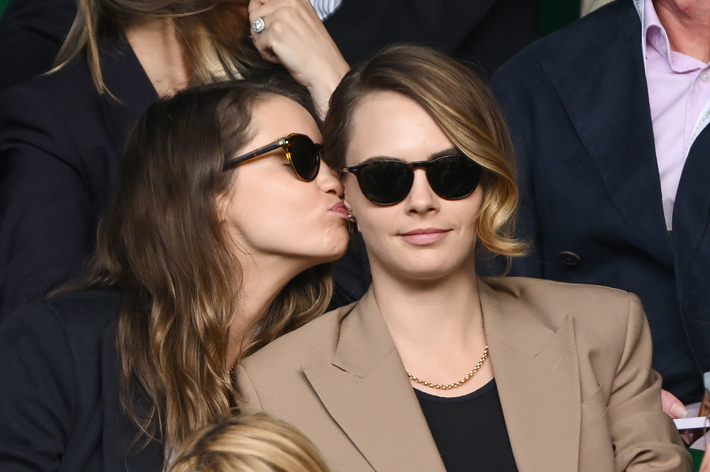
388, 182
302, 153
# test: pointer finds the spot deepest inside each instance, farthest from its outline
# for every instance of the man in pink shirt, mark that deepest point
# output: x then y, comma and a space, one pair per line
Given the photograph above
609, 118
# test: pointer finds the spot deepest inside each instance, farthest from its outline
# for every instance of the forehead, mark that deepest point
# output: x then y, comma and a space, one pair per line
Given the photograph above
275, 116
387, 124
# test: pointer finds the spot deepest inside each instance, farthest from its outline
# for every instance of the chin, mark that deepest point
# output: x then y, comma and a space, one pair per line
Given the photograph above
433, 271
334, 252
424, 274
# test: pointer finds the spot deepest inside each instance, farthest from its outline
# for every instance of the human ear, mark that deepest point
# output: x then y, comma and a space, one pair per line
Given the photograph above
223, 203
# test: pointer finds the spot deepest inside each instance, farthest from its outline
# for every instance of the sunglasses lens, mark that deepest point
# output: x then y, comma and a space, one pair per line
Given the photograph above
305, 156
385, 183
454, 177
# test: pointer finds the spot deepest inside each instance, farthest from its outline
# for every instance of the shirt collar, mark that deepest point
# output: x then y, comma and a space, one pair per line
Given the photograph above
654, 33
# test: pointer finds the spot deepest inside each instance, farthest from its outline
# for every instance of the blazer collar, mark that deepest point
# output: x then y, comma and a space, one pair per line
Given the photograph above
366, 388
602, 86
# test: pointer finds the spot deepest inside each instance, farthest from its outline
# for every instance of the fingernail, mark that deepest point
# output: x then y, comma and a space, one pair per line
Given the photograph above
678, 411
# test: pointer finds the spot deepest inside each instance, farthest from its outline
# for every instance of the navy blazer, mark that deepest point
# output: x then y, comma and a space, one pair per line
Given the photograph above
60, 148
577, 105
59, 385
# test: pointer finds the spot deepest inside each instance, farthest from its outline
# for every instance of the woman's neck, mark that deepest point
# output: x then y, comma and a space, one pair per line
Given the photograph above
156, 45
428, 312
437, 327
262, 280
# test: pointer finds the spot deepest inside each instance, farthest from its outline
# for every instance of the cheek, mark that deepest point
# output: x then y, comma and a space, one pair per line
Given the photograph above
354, 200
263, 208
375, 224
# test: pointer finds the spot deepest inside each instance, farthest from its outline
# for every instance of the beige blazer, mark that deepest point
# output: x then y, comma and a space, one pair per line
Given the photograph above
572, 364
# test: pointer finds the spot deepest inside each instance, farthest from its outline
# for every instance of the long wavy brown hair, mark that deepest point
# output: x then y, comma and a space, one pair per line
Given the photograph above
163, 245
214, 34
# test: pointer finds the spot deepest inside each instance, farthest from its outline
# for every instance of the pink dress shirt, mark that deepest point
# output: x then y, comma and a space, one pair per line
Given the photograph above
679, 95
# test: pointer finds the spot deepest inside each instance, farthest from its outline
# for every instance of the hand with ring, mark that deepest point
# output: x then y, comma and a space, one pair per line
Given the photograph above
289, 32
258, 25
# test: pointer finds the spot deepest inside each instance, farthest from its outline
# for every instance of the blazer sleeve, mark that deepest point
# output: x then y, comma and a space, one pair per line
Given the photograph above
44, 201
37, 391
644, 438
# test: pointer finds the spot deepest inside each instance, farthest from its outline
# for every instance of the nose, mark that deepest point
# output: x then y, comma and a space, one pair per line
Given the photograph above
421, 198
327, 180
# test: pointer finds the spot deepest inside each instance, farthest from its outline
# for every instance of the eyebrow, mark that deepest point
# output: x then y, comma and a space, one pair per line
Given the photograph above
436, 155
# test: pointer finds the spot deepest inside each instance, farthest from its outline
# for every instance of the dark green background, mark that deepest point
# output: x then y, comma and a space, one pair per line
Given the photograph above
554, 14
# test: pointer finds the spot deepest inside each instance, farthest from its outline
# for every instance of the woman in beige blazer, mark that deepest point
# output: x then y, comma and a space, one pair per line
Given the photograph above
436, 369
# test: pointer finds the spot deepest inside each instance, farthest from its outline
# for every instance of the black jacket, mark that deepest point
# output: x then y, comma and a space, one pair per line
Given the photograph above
59, 385
485, 33
31, 32
60, 147
577, 105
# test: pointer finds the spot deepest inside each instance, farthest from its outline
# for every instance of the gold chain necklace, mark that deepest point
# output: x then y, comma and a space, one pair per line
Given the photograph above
455, 384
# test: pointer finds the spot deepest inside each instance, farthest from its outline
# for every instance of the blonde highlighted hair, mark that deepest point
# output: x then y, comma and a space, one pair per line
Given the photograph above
214, 34
248, 443
460, 104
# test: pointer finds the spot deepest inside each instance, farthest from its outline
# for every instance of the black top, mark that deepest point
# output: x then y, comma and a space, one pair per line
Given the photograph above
469, 431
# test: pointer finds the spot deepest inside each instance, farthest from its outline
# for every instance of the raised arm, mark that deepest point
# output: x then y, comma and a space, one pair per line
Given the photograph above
293, 35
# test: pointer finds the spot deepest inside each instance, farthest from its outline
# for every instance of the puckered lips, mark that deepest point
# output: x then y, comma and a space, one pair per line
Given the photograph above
340, 209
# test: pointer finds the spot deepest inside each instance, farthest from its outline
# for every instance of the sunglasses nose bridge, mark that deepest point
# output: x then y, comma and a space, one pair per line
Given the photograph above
420, 193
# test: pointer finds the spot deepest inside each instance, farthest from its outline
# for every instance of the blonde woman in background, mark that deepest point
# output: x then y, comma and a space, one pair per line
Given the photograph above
248, 443
62, 134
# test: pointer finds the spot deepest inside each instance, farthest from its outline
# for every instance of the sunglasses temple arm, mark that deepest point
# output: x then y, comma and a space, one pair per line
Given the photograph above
263, 150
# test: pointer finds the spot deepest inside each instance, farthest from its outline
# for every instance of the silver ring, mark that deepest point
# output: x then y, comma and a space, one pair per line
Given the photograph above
258, 25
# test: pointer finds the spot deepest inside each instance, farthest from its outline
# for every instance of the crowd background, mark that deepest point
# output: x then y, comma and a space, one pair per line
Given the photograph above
551, 15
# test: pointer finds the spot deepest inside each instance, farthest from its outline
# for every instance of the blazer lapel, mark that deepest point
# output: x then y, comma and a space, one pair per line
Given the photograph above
368, 391
612, 117
127, 81
537, 375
